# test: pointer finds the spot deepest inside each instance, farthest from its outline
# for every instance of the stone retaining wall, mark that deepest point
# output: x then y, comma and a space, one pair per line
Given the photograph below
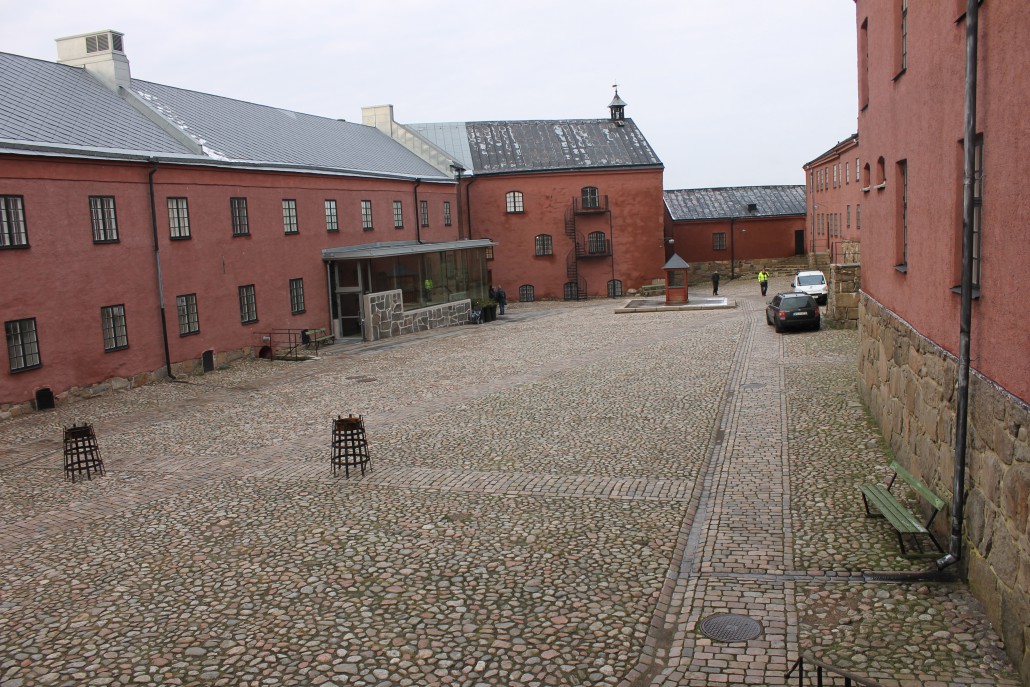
909, 385
385, 316
842, 301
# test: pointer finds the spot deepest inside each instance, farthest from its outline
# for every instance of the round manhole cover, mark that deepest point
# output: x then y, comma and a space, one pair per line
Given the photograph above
730, 627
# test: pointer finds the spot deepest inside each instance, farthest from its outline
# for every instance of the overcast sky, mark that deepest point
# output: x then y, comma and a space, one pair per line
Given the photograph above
728, 92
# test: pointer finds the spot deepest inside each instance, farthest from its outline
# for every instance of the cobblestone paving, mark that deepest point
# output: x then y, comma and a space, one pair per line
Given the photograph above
557, 498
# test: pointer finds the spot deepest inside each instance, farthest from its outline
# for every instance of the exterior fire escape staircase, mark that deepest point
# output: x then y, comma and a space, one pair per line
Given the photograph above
597, 245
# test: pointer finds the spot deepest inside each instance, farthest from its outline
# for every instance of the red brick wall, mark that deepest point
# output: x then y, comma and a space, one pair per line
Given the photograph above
63, 278
637, 207
753, 238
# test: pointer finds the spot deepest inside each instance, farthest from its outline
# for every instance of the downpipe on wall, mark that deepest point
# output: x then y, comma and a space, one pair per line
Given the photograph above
157, 263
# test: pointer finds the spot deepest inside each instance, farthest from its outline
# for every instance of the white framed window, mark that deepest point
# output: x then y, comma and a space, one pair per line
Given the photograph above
290, 216
248, 304
178, 218
189, 322
297, 296
112, 321
513, 202
332, 222
22, 344
104, 219
366, 215
13, 233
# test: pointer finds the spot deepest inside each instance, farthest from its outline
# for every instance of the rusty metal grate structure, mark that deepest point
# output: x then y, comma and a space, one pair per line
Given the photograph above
82, 452
350, 447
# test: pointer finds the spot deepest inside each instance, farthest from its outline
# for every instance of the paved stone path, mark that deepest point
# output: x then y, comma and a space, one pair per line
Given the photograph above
557, 498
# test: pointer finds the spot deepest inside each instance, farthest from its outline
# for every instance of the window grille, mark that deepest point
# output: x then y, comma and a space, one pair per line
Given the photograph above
544, 245
112, 320
526, 293
290, 216
248, 304
332, 222
296, 296
178, 218
13, 232
104, 219
186, 305
240, 224
22, 344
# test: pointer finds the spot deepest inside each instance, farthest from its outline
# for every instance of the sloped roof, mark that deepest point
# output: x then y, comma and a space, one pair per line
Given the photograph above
239, 130
451, 137
544, 145
48, 104
723, 203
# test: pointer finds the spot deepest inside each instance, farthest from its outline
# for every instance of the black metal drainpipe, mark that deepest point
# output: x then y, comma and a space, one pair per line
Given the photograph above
157, 262
965, 325
468, 207
418, 213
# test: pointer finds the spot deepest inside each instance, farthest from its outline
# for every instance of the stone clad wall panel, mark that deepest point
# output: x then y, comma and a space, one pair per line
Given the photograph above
909, 385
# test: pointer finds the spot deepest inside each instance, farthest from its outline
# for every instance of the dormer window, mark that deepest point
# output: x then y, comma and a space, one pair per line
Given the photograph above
752, 207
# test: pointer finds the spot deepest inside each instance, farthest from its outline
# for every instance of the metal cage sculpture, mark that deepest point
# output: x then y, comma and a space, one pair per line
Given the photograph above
350, 447
81, 452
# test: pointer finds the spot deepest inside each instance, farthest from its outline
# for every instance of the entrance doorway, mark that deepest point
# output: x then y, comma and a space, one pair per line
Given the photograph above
799, 242
350, 285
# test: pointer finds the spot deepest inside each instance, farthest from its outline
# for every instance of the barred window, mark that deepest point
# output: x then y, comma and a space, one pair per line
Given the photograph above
331, 221
447, 213
526, 293
423, 211
398, 214
105, 223
189, 322
544, 245
366, 215
513, 201
12, 222
719, 240
240, 225
290, 216
615, 288
571, 291
112, 321
22, 344
297, 296
178, 218
248, 304
597, 243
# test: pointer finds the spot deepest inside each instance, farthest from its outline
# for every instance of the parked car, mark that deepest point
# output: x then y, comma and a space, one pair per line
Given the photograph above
812, 282
792, 310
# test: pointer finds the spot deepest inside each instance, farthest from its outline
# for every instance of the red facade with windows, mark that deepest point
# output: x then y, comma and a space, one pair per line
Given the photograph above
834, 197
63, 278
620, 239
753, 238
912, 120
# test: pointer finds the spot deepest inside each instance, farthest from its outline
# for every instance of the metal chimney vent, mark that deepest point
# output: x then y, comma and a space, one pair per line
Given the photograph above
103, 41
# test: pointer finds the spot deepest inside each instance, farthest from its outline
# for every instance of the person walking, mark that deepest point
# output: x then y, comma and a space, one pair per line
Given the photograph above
763, 280
502, 299
715, 283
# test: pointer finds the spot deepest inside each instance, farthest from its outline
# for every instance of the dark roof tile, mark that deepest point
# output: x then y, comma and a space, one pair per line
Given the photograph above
722, 203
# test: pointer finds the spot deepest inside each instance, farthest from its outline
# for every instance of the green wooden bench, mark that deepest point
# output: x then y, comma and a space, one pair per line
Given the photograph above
318, 337
901, 518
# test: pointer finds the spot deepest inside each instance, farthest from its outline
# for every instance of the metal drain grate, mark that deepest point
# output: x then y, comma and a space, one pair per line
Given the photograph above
730, 627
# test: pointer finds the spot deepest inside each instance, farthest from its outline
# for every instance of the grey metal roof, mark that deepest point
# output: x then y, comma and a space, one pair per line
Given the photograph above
721, 203
529, 146
451, 137
50, 103
542, 145
676, 263
384, 249
45, 104
239, 130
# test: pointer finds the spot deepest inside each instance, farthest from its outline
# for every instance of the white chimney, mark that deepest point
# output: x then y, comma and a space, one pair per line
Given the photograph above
101, 53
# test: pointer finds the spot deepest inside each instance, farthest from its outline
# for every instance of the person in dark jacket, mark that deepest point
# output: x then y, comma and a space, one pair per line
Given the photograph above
502, 299
715, 283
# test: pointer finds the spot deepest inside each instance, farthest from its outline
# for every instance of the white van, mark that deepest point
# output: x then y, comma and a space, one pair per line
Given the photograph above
813, 283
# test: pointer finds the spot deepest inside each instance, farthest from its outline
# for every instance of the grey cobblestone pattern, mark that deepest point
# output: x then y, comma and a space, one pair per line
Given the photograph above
557, 498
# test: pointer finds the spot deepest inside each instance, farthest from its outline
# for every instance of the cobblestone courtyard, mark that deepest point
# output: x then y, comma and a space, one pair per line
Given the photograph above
557, 498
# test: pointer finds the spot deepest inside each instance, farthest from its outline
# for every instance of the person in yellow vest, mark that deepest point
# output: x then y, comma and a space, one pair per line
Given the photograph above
763, 280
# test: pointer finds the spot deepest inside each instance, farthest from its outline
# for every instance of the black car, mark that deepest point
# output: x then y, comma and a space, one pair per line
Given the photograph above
792, 310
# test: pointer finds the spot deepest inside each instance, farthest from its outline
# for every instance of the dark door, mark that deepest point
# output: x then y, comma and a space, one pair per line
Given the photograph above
799, 242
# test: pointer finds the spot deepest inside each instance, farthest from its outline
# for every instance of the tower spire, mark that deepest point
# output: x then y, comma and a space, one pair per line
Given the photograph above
617, 107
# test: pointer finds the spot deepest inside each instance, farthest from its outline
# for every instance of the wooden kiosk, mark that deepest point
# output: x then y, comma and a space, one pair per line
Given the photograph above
676, 280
